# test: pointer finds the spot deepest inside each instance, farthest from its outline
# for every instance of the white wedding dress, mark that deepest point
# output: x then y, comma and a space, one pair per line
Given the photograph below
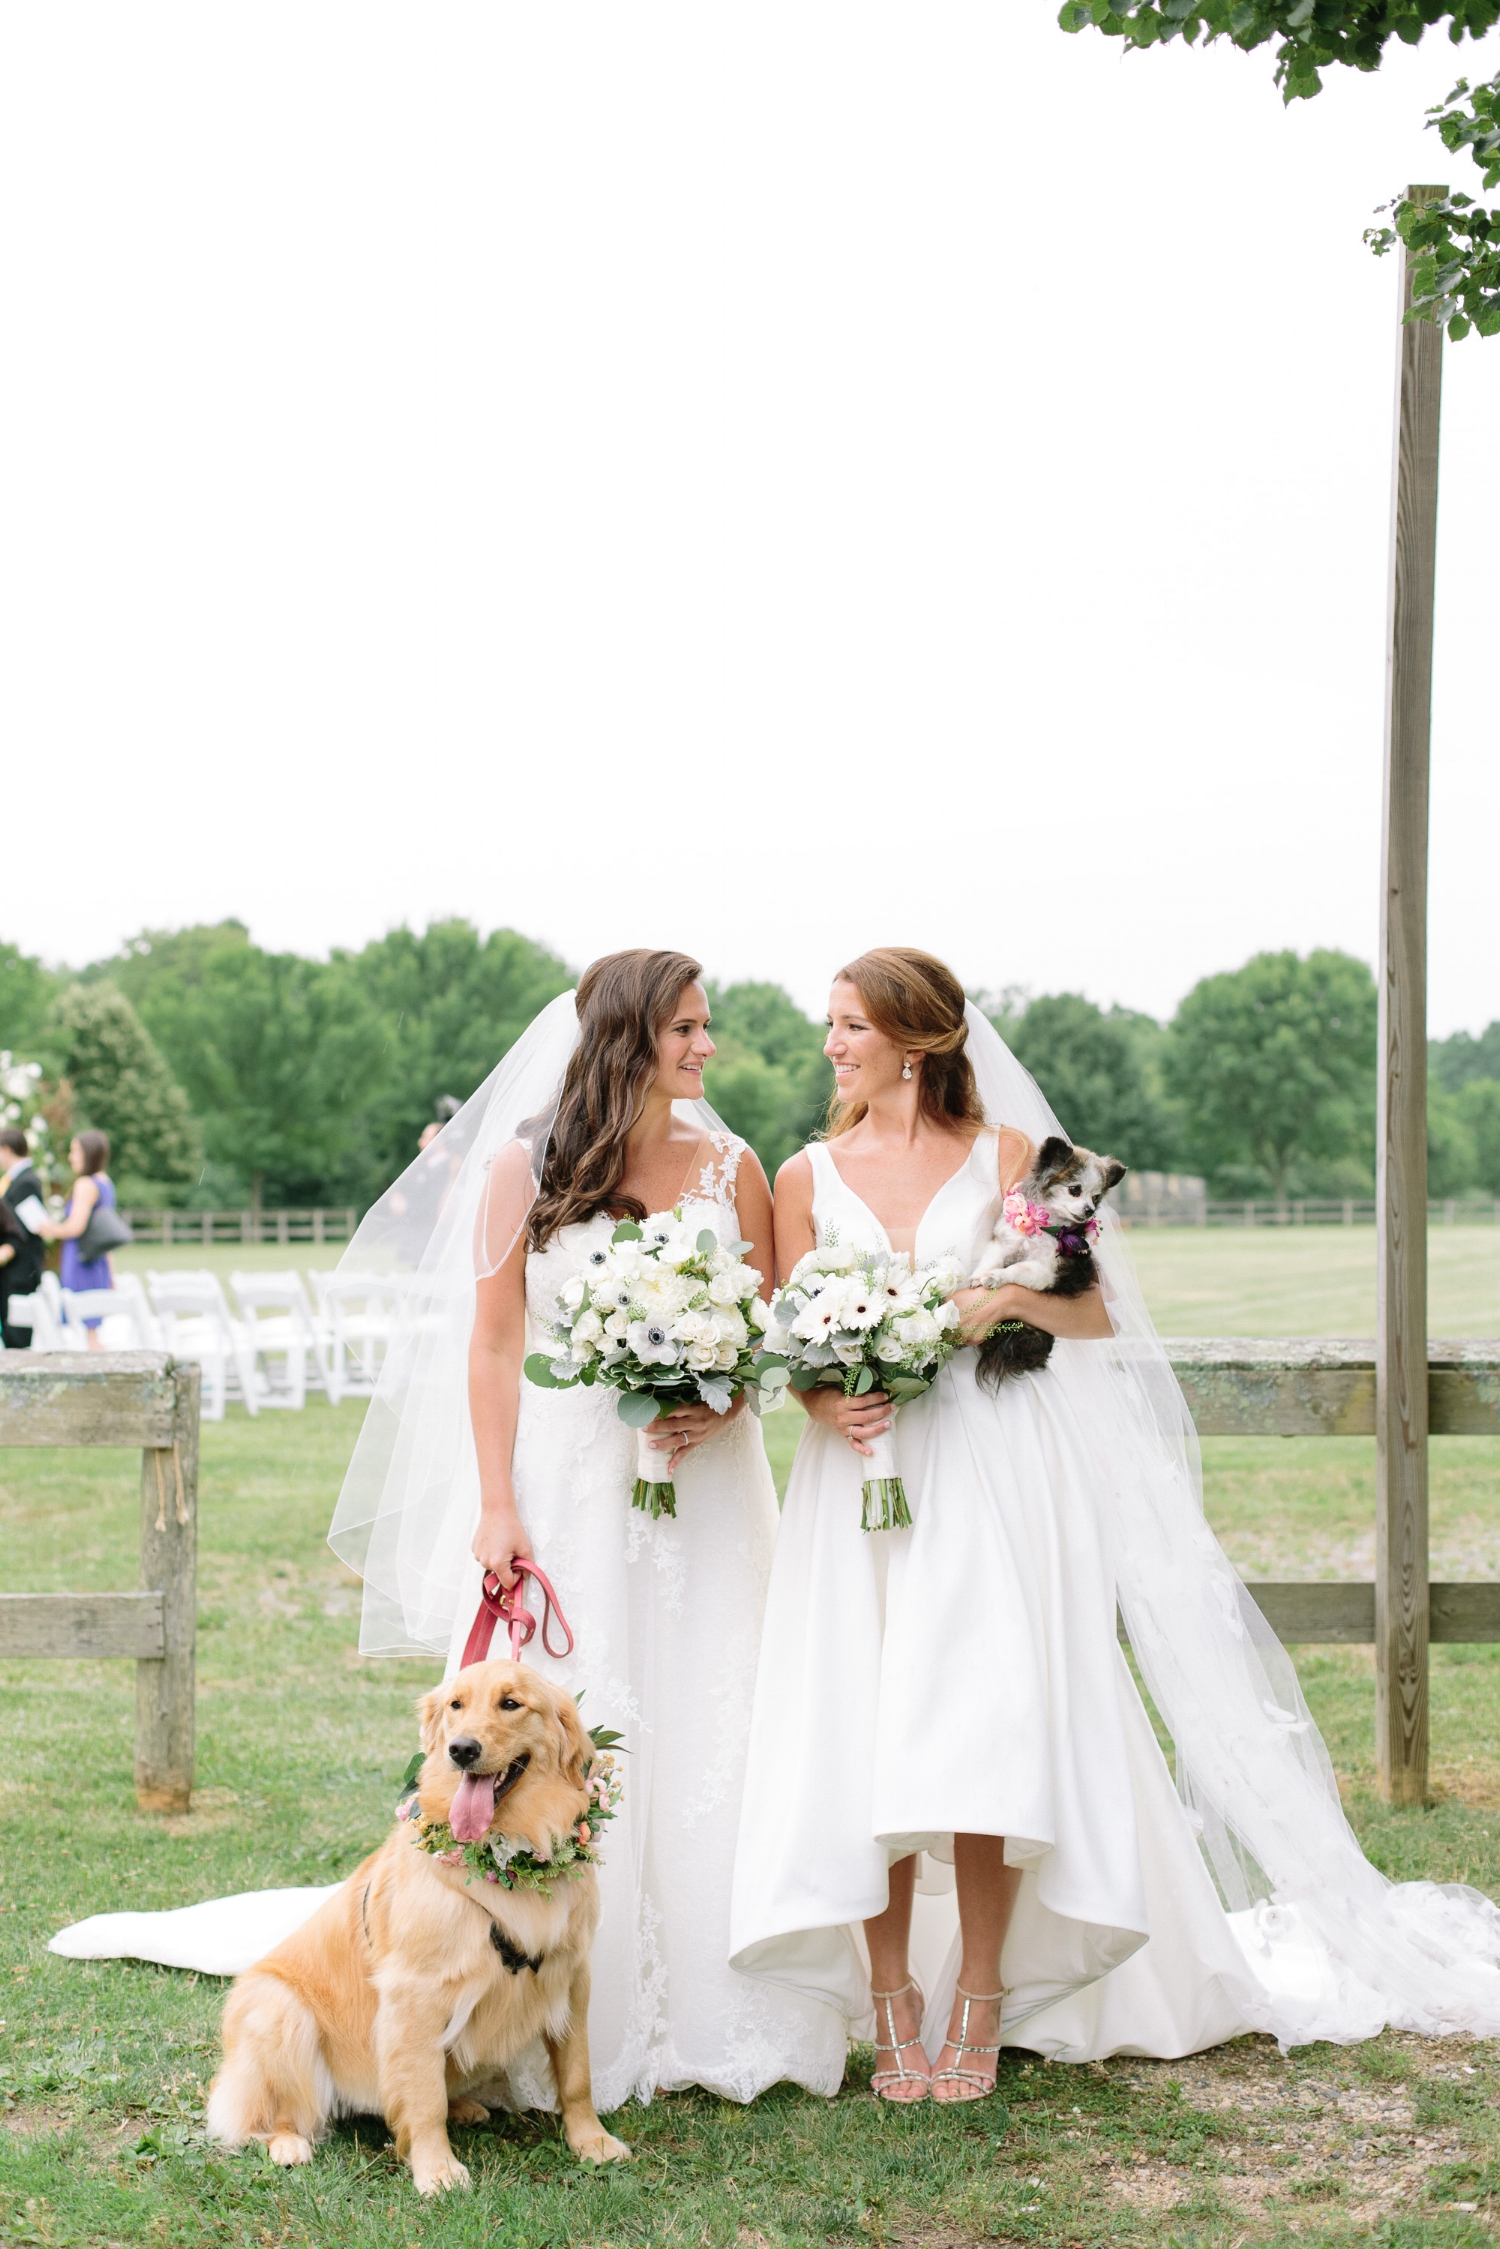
667, 1619
964, 1675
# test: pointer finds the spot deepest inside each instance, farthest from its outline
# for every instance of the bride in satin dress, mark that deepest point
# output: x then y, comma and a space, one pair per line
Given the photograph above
596, 1113
949, 1703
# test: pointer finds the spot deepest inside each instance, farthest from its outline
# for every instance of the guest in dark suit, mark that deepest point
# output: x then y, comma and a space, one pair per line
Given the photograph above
22, 1253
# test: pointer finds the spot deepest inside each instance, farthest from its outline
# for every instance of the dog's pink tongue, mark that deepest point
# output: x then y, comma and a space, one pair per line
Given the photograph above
473, 1807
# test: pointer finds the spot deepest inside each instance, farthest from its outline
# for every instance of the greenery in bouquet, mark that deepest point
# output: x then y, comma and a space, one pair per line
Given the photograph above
854, 1320
669, 1316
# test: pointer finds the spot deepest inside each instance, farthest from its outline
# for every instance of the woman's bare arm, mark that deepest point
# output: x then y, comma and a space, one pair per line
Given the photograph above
85, 1195
497, 1352
1083, 1318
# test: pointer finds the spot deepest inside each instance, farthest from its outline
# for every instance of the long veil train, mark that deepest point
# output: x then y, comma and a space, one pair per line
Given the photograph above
1340, 1951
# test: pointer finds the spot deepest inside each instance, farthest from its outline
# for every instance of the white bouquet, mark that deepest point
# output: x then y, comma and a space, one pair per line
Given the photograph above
668, 1316
862, 1320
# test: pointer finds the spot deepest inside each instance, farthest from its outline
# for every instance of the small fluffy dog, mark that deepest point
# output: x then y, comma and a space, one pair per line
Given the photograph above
1041, 1240
410, 1990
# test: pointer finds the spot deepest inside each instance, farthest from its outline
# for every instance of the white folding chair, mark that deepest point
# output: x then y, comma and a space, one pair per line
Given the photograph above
361, 1311
276, 1320
130, 1290
47, 1331
120, 1327
196, 1324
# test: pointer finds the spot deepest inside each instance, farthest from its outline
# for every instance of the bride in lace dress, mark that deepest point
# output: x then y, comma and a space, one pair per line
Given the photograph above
596, 1112
666, 1612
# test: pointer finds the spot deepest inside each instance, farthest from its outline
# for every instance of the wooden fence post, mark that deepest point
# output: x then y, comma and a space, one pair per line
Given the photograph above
1401, 1595
165, 1685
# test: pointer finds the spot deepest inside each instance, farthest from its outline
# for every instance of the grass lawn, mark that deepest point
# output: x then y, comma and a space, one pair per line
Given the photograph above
103, 2065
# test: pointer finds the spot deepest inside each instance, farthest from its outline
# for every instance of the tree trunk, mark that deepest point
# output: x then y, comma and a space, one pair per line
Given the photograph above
257, 1185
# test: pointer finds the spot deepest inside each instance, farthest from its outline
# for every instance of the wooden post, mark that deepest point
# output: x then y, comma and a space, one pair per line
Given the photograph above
164, 1685
1401, 1595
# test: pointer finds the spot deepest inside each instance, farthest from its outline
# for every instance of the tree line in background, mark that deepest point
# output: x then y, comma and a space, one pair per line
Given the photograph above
227, 1076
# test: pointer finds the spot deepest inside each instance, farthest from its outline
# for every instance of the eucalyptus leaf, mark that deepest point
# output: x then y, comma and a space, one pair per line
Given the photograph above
708, 1242
863, 1381
637, 1409
805, 1378
626, 1231
538, 1369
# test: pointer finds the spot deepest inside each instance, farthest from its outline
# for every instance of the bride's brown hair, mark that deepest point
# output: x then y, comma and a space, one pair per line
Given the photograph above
917, 1002
624, 1000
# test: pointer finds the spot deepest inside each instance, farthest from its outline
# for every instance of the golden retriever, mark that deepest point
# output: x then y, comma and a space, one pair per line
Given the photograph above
410, 1990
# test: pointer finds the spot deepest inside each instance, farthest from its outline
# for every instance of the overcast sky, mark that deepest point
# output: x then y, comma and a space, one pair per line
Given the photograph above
767, 479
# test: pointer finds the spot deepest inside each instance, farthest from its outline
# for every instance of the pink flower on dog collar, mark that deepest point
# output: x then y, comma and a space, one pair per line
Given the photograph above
1026, 1217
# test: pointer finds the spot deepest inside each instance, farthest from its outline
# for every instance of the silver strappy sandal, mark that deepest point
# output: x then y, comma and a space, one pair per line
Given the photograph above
900, 2075
956, 2070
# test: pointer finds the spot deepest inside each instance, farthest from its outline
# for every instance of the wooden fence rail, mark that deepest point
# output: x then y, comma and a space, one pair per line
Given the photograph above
131, 1398
1349, 1210
180, 1228
1251, 1388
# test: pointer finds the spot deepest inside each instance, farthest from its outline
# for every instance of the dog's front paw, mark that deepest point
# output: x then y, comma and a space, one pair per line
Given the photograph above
464, 2111
289, 2147
595, 2145
439, 2175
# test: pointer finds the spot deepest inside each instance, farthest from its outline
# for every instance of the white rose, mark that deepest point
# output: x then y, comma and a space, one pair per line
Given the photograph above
849, 1354
757, 1312
588, 1328
571, 1294
919, 1329
947, 1316
617, 1327
888, 1350
730, 1328
725, 1356
581, 1351
702, 1356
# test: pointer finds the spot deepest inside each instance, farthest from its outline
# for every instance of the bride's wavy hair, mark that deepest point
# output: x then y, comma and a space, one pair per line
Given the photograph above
916, 1001
624, 1000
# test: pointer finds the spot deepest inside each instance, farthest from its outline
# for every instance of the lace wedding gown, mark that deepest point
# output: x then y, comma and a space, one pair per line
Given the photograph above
964, 1675
667, 1619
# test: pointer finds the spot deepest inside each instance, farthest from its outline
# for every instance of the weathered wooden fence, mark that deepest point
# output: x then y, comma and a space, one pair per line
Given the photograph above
122, 1398
1328, 1389
1481, 1210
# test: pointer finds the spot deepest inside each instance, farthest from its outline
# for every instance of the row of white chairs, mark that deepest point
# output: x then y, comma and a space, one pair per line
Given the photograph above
276, 1342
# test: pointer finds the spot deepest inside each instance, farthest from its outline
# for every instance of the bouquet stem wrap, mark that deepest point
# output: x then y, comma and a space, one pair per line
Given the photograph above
884, 1492
653, 1494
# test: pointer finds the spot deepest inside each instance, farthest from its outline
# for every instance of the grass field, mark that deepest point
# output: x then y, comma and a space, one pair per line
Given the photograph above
103, 2065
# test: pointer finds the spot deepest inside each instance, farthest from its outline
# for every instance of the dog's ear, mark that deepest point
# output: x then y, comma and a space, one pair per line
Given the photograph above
1114, 1171
577, 1749
430, 1709
1052, 1154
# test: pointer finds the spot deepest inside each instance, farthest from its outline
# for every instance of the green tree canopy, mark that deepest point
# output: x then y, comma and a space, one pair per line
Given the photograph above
1097, 1072
122, 1085
452, 1003
279, 1056
769, 1080
1274, 1063
26, 991
1453, 1062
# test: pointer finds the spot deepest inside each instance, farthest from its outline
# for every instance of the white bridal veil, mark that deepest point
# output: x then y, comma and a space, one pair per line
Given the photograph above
1251, 1767
410, 1500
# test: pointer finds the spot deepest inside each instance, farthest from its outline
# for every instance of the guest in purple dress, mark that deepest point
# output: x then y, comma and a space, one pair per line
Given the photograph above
88, 1155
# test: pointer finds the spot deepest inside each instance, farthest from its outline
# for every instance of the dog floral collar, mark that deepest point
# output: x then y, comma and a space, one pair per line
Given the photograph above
1025, 1216
511, 1863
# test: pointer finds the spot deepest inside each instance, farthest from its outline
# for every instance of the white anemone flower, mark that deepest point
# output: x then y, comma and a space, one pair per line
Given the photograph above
652, 1344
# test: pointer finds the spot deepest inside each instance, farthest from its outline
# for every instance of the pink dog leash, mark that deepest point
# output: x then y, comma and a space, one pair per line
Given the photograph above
501, 1605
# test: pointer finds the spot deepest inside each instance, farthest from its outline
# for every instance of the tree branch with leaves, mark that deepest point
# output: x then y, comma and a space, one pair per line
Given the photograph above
1454, 241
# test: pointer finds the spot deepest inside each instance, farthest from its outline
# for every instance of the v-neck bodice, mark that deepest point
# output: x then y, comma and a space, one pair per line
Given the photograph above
956, 1222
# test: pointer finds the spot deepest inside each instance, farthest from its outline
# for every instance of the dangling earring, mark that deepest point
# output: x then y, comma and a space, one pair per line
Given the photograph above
906, 1069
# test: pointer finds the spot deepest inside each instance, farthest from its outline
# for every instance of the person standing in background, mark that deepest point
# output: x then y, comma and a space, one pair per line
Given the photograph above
88, 1155
22, 1250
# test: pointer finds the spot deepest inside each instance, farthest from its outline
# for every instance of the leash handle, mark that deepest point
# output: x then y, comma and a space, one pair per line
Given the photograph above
499, 1604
